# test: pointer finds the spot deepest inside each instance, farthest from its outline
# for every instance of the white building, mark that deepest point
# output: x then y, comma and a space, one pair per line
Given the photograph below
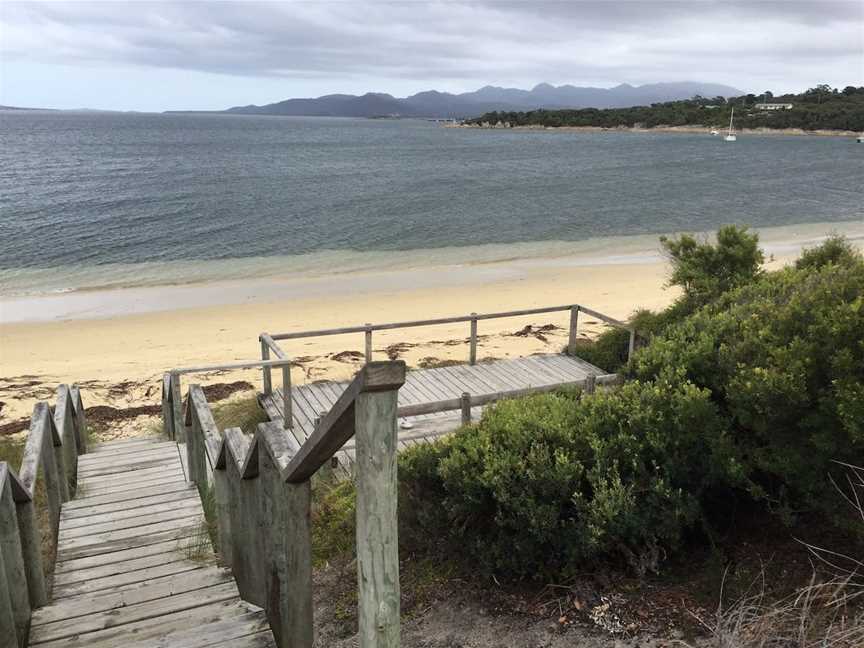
773, 106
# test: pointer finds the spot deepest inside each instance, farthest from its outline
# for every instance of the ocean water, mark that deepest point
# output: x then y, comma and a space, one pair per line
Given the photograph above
91, 201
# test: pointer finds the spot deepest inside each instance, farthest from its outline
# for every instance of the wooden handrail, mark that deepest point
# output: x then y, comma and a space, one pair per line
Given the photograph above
54, 441
268, 340
445, 320
172, 408
491, 397
337, 426
263, 499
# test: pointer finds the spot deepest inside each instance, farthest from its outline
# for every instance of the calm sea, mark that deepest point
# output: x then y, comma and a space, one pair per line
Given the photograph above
98, 200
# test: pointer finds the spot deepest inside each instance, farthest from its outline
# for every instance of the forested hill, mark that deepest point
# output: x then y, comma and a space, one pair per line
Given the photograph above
818, 108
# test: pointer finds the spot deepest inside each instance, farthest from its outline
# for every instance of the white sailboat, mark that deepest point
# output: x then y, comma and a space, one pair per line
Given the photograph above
731, 136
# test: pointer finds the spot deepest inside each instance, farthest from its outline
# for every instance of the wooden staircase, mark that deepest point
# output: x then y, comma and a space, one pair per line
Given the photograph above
134, 565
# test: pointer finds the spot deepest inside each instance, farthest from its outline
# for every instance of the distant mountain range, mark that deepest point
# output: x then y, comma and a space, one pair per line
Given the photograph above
471, 104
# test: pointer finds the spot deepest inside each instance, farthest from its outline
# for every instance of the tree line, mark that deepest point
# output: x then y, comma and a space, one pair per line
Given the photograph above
818, 108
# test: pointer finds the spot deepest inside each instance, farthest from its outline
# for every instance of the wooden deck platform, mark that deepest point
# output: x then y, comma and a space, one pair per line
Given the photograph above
133, 568
432, 385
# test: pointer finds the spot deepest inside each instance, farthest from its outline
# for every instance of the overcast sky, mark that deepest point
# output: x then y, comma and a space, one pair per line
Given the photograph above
211, 55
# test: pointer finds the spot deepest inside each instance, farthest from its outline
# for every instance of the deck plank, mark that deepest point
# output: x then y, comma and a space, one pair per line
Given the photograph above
442, 383
123, 574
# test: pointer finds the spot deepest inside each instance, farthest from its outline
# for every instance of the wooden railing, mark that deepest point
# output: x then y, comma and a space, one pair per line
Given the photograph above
172, 399
53, 444
269, 341
263, 494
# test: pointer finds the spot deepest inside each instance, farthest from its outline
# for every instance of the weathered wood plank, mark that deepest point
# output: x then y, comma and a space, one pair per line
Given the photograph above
143, 622
157, 504
123, 580
88, 462
190, 508
128, 537
168, 553
377, 535
241, 631
89, 501
151, 589
170, 545
175, 530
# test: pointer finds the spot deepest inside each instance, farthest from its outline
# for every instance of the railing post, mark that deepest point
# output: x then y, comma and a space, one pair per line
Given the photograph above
179, 431
377, 535
287, 399
472, 355
195, 445
31, 549
58, 452
8, 638
631, 345
64, 419
590, 383
368, 342
266, 371
13, 578
80, 419
574, 323
466, 408
167, 407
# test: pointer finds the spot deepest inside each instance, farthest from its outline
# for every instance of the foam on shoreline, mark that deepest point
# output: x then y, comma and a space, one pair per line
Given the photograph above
85, 292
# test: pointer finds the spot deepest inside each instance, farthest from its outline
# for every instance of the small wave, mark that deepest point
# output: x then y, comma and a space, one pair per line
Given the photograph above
30, 282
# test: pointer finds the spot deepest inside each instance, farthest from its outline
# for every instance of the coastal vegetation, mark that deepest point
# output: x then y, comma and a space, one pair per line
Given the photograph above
819, 108
745, 396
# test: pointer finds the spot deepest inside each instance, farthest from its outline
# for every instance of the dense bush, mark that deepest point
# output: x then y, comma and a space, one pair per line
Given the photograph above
784, 360
835, 249
754, 394
706, 270
542, 484
608, 351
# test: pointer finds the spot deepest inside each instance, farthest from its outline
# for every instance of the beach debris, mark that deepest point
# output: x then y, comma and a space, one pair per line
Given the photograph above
605, 617
348, 356
529, 330
431, 362
13, 427
108, 414
221, 391
395, 350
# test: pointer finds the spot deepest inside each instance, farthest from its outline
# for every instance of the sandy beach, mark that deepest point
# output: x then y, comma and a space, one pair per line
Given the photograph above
128, 354
116, 344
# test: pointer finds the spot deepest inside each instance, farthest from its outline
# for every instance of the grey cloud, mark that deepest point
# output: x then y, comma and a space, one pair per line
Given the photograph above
558, 41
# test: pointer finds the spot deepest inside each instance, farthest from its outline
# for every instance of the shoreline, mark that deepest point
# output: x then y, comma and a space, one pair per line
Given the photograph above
687, 130
173, 286
118, 361
118, 356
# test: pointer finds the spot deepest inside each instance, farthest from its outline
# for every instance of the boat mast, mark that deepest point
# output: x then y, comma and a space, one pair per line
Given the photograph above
731, 117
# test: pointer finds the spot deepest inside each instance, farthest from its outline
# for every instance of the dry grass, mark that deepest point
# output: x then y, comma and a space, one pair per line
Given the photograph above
200, 545
12, 451
243, 412
827, 613
820, 615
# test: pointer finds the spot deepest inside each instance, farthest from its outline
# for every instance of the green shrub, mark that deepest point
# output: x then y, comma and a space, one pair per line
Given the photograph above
334, 505
542, 484
608, 351
705, 270
835, 249
784, 360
